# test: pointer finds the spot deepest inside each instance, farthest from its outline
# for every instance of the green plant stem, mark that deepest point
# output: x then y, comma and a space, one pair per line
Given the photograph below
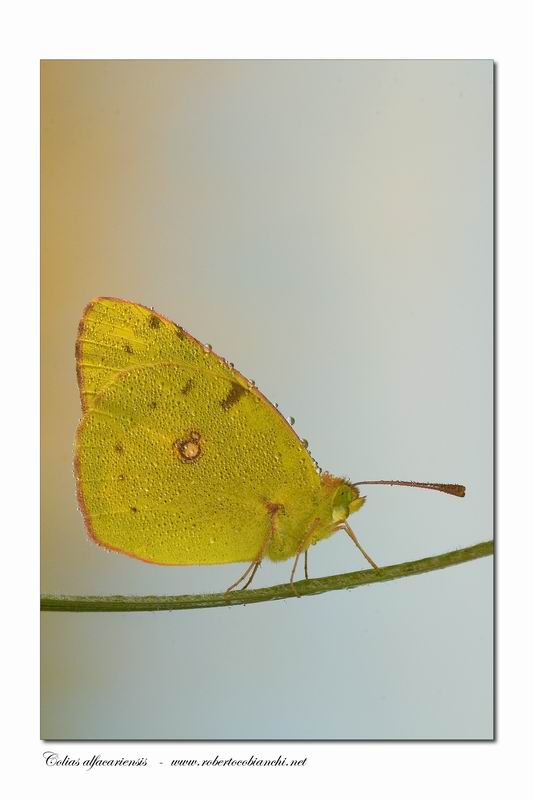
349, 580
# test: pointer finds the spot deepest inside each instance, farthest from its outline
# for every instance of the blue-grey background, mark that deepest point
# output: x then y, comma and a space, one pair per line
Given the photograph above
327, 227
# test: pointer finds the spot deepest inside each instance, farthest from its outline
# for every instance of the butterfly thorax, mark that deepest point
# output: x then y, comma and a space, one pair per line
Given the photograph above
334, 501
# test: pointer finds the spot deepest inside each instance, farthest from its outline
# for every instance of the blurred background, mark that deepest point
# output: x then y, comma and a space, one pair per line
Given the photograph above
327, 227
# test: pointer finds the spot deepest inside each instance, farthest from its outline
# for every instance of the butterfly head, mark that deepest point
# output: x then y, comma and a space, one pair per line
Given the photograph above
346, 500
342, 498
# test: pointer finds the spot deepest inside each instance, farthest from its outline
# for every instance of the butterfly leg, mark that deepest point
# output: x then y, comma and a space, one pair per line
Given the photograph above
305, 565
303, 546
353, 537
252, 568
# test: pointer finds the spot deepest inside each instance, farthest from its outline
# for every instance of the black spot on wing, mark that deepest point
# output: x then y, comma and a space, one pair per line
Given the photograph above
234, 395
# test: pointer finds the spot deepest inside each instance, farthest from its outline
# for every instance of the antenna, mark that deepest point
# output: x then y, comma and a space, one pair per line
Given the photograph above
448, 488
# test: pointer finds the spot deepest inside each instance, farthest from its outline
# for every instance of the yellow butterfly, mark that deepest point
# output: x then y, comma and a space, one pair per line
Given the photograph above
181, 460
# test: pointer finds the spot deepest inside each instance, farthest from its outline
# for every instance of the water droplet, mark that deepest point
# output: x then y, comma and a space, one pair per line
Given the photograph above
291, 420
305, 443
209, 347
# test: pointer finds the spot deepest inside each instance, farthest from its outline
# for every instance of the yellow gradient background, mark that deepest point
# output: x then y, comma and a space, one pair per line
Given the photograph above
327, 227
